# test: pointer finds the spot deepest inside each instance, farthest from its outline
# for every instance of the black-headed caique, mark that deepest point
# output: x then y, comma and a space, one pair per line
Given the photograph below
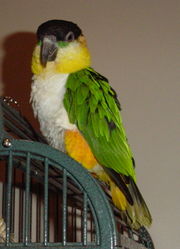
79, 114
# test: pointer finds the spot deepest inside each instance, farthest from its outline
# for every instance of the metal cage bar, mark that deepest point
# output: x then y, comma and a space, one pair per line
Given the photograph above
84, 217
46, 225
64, 217
26, 227
8, 199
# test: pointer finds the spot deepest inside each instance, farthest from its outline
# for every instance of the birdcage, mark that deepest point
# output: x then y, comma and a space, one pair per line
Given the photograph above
48, 200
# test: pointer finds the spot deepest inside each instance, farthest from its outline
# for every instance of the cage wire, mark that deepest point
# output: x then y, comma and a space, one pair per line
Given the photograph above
47, 200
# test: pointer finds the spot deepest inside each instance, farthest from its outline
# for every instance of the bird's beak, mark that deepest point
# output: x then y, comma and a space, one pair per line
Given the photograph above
48, 49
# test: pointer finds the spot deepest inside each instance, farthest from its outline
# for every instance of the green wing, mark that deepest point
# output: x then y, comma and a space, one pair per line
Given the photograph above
92, 105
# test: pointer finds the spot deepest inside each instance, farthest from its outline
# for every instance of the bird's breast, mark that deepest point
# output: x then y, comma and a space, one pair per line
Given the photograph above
47, 96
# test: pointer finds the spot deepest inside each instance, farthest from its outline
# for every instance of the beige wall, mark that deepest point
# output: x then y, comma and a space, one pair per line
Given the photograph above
135, 45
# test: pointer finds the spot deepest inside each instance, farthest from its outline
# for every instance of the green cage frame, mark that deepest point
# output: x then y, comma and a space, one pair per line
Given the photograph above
23, 154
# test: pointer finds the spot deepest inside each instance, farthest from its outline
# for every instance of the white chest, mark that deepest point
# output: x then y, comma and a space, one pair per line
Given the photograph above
47, 101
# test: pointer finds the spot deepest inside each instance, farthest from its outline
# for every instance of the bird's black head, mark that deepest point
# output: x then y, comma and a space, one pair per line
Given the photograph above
62, 30
54, 34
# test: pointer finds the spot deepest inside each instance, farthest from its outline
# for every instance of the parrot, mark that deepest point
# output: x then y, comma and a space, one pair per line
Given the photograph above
79, 114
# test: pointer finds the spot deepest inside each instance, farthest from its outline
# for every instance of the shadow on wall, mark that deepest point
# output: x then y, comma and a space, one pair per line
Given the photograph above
16, 70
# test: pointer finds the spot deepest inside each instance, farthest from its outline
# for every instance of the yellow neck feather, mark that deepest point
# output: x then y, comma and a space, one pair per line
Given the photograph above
69, 59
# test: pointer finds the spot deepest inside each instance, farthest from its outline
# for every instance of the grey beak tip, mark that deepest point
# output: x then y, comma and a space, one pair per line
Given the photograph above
48, 50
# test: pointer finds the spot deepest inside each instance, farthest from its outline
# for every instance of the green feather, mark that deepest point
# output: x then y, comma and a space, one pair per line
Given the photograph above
82, 116
93, 102
92, 105
73, 83
81, 94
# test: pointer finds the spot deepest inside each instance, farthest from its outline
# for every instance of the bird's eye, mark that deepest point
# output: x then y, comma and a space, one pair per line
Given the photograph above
69, 37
